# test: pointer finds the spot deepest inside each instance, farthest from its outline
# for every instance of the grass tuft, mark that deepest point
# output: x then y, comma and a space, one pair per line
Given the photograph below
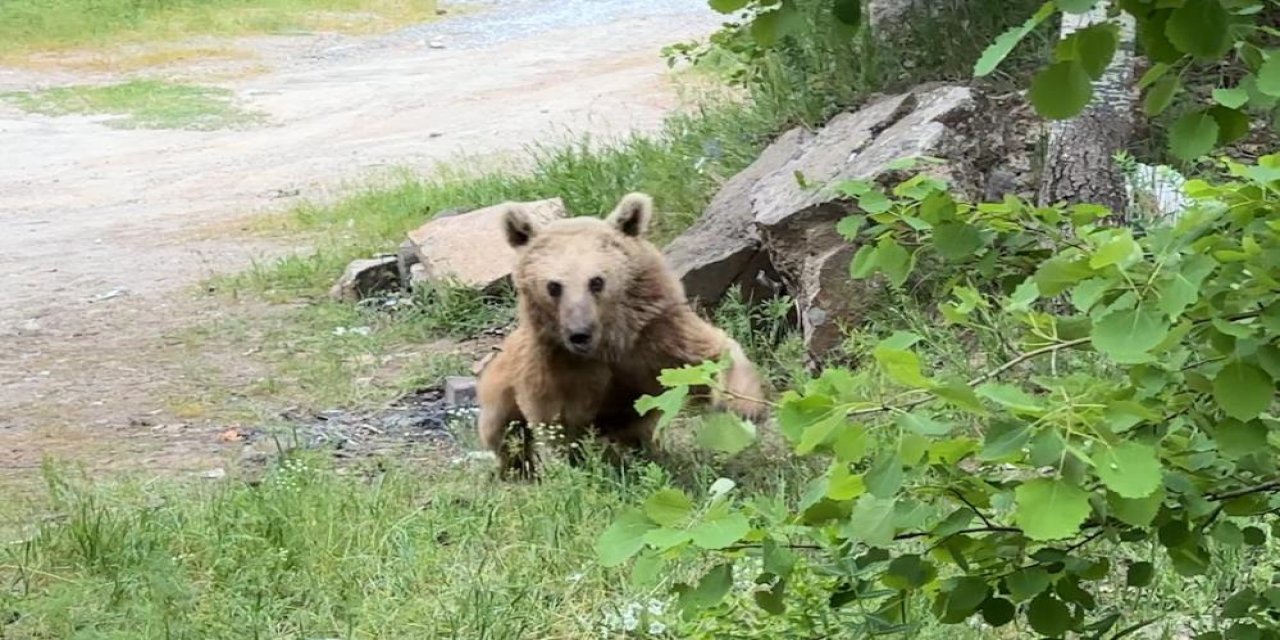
141, 104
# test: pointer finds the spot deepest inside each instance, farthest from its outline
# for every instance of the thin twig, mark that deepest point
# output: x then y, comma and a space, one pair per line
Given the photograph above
1053, 348
1024, 357
1274, 485
975, 510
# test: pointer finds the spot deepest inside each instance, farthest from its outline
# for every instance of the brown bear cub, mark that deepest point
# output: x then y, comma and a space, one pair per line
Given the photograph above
601, 314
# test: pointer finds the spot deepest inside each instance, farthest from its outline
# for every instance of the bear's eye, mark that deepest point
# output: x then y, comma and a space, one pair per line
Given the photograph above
596, 284
553, 289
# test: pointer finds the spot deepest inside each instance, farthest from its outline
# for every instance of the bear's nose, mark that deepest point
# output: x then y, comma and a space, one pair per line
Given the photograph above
580, 338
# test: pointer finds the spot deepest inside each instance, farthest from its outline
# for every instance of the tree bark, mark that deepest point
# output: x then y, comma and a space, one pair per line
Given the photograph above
1078, 165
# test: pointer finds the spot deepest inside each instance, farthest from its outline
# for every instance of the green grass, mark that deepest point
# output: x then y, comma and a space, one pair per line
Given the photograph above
140, 104
32, 25
681, 167
393, 551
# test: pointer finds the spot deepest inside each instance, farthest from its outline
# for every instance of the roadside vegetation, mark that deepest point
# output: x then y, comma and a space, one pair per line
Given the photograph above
28, 26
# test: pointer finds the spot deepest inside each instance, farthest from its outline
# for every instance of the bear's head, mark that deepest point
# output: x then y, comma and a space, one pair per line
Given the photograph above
583, 283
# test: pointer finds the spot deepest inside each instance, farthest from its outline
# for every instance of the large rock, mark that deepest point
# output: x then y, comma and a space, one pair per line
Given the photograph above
364, 278
723, 247
469, 248
798, 224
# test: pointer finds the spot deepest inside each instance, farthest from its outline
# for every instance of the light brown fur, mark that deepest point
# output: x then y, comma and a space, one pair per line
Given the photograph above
637, 321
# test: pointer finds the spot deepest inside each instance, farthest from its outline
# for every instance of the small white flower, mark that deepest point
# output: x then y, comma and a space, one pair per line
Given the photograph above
656, 628
657, 607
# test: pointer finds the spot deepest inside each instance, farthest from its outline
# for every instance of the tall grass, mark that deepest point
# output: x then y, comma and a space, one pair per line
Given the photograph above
31, 25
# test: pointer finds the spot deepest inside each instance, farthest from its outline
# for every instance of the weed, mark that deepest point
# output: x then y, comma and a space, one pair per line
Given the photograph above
141, 104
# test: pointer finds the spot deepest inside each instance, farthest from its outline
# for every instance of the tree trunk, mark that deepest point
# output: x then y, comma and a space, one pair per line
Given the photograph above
1078, 165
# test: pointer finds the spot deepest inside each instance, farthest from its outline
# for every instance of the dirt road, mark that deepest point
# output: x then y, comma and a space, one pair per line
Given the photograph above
101, 229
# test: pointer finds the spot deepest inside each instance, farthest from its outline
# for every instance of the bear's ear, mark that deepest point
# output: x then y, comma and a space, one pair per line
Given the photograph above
632, 214
518, 225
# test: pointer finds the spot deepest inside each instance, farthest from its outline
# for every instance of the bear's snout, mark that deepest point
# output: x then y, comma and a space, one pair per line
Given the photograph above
580, 340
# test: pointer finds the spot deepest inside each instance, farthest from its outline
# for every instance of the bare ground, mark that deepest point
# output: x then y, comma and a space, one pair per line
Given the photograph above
103, 231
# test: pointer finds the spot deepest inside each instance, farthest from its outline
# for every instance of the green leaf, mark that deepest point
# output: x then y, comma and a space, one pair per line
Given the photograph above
863, 263
1268, 81
1200, 28
1118, 250
908, 572
721, 531
1005, 438
647, 569
1140, 574
848, 12
1233, 124
874, 202
1076, 6
1228, 534
1058, 274
1190, 560
1061, 91
664, 539
1050, 508
960, 598
1231, 98
1243, 390
1151, 33
765, 27
893, 260
1010, 397
1193, 135
849, 226
1000, 48
711, 589
1253, 536
1048, 616
1093, 47
1138, 512
1237, 439
727, 6
669, 403
695, 374
796, 413
960, 395
1183, 289
842, 484
1157, 71
623, 539
850, 444
1160, 95
1130, 469
1087, 294
885, 478
902, 367
956, 241
819, 433
1024, 295
726, 433
998, 612
872, 521
1025, 584
668, 507
1127, 334
924, 425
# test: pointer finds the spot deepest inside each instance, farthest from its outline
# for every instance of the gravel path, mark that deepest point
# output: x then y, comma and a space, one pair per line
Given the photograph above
105, 229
